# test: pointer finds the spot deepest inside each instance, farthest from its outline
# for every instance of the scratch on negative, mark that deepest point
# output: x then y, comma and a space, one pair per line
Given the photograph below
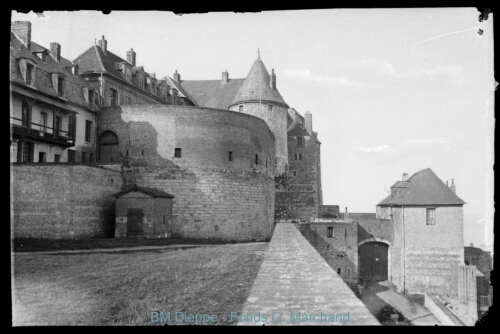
443, 35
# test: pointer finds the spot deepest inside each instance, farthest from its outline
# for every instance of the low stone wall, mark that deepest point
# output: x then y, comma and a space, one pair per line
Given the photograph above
295, 286
57, 201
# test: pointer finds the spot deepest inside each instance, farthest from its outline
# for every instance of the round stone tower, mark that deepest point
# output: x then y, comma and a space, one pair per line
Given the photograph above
258, 96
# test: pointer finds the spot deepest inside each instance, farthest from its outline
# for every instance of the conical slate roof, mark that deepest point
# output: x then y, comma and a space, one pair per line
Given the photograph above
422, 188
256, 86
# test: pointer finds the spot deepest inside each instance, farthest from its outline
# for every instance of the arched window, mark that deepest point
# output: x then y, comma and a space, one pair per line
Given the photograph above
108, 147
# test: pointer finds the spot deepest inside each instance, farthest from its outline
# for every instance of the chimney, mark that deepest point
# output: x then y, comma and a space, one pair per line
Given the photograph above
55, 51
103, 44
447, 183
23, 30
177, 77
452, 187
346, 215
75, 70
131, 57
405, 176
272, 82
308, 121
225, 77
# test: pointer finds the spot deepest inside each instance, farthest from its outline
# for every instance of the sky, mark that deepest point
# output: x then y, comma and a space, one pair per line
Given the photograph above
391, 91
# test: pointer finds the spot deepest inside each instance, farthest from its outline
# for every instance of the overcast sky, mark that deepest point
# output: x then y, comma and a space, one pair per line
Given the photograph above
391, 91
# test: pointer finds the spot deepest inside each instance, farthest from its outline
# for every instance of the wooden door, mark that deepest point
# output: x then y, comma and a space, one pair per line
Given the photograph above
134, 222
373, 261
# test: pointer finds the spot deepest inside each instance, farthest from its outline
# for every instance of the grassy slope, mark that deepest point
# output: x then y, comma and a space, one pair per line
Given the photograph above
122, 289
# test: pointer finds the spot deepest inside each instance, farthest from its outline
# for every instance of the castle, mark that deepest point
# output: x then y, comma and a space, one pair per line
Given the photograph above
228, 150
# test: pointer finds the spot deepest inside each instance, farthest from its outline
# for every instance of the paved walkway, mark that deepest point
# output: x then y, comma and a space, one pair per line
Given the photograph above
123, 249
378, 295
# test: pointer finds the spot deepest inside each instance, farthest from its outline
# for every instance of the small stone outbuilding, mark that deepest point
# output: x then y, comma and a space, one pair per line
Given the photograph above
143, 212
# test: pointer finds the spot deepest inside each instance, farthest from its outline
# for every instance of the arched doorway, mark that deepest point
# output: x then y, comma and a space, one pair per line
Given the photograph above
108, 147
373, 261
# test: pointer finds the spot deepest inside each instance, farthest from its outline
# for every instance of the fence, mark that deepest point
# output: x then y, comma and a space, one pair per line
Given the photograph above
463, 282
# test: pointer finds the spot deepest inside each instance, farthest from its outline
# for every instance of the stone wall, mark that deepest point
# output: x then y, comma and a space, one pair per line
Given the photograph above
215, 197
340, 251
63, 200
302, 199
277, 122
294, 281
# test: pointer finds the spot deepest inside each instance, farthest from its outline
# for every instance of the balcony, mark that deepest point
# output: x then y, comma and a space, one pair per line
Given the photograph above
23, 129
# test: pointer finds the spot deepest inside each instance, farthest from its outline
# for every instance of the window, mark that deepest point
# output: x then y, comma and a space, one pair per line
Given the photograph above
25, 151
113, 97
29, 74
339, 271
91, 98
269, 108
128, 100
300, 156
43, 121
294, 173
71, 126
88, 130
241, 108
25, 113
295, 157
41, 156
299, 141
431, 216
256, 159
91, 157
58, 125
345, 233
60, 87
230, 156
84, 157
177, 153
329, 232
71, 156
57, 158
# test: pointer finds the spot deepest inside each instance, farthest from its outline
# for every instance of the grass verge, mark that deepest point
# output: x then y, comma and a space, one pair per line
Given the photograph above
117, 289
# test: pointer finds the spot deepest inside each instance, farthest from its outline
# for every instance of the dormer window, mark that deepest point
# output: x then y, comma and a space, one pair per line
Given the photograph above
41, 55
60, 87
30, 71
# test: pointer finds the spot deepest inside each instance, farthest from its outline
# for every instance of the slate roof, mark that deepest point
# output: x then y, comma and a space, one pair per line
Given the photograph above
182, 93
43, 72
212, 93
423, 188
256, 86
146, 190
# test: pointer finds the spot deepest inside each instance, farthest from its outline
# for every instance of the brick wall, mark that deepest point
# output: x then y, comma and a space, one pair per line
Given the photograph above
63, 201
295, 279
214, 197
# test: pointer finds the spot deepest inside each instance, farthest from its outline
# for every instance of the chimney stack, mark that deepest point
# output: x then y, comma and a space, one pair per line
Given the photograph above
177, 77
225, 77
103, 44
75, 70
447, 183
308, 121
23, 30
131, 57
272, 82
452, 187
405, 176
55, 51
346, 215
